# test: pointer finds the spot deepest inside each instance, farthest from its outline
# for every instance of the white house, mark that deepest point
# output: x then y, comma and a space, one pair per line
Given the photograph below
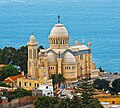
43, 90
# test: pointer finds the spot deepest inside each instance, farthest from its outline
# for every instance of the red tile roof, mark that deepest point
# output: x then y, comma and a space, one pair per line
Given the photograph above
11, 90
13, 78
8, 81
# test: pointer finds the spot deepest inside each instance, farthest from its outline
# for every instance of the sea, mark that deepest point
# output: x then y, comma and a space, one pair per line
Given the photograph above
97, 21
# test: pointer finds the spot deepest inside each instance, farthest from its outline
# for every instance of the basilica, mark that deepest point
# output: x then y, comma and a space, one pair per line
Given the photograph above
73, 61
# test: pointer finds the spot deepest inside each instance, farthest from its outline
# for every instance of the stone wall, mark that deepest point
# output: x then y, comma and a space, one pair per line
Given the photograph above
18, 102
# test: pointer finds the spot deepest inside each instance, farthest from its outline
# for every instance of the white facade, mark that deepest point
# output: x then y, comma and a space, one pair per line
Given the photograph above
43, 90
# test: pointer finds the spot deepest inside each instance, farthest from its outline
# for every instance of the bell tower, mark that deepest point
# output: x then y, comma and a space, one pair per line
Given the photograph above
32, 57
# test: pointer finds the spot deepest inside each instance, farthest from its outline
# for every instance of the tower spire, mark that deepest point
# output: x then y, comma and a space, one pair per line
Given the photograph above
58, 18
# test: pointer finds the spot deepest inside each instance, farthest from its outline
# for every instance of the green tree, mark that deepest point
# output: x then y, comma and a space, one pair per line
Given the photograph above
22, 92
41, 47
116, 85
101, 84
46, 102
8, 70
54, 80
62, 104
61, 79
17, 94
10, 55
87, 91
7, 55
22, 58
57, 79
101, 70
4, 84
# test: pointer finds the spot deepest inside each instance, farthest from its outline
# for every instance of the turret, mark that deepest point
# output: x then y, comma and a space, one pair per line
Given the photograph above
32, 57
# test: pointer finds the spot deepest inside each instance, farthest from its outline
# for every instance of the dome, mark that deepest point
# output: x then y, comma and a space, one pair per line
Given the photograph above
59, 30
76, 42
51, 58
69, 58
89, 44
32, 38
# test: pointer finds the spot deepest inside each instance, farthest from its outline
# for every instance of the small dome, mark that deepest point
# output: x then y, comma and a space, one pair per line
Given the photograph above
76, 42
51, 58
59, 30
69, 58
32, 38
89, 44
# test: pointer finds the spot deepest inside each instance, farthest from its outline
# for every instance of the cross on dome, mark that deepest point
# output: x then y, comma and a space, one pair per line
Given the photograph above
58, 18
32, 33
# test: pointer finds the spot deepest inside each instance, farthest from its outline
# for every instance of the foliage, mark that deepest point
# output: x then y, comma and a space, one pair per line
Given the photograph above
4, 84
17, 94
45, 102
101, 84
8, 70
7, 55
61, 79
116, 73
55, 102
85, 101
87, 91
10, 55
18, 57
22, 57
101, 70
41, 47
116, 85
57, 79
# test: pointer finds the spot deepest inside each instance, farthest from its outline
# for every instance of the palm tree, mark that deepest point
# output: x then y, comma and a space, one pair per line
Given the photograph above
57, 79
54, 81
61, 79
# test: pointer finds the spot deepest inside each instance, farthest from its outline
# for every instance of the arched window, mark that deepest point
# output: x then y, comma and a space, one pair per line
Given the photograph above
34, 54
65, 67
73, 67
69, 67
30, 54
63, 41
52, 41
81, 56
56, 41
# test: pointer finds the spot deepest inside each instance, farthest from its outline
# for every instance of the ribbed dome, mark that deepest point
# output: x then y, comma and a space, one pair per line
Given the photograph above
51, 58
59, 30
69, 58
